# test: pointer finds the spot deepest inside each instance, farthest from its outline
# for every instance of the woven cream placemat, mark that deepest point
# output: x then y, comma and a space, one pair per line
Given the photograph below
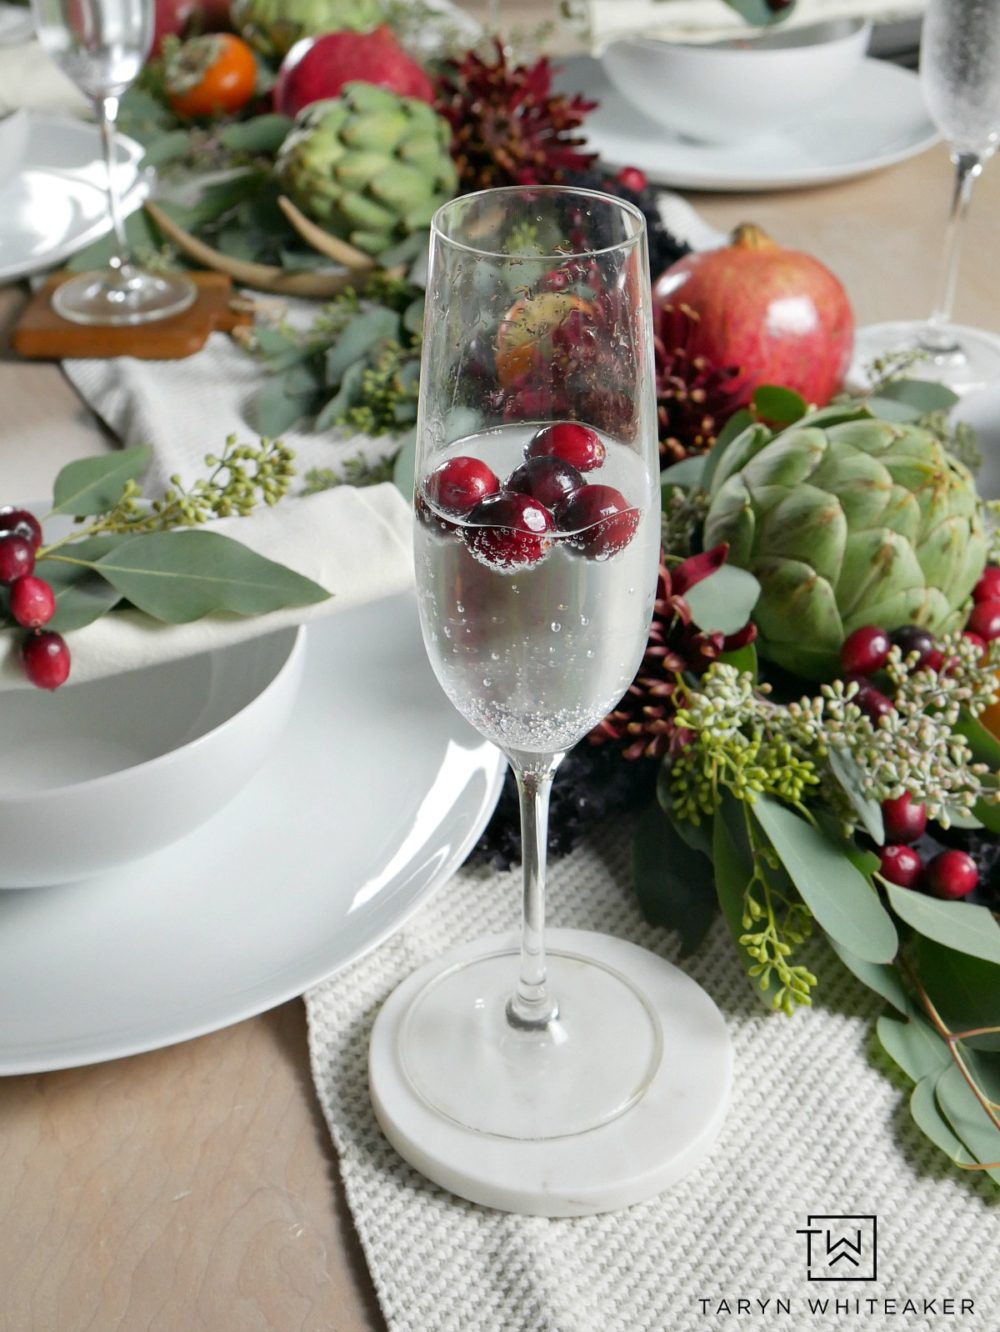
816, 1128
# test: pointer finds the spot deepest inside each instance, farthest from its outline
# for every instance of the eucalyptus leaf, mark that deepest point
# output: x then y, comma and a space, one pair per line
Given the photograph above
724, 600
405, 468
82, 595
365, 331
261, 134
843, 901
914, 1045
928, 1117
413, 316
673, 883
346, 396
683, 475
779, 406
889, 409
988, 815
965, 990
923, 395
173, 146
94, 485
964, 926
969, 1119
177, 577
733, 862
274, 410
698, 836
849, 777
877, 976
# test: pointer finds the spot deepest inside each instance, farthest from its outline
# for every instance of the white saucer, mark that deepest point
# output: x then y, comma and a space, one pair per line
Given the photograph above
661, 1134
372, 799
878, 119
57, 202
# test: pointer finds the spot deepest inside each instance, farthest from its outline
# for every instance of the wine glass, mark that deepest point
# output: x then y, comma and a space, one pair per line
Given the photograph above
101, 45
959, 64
579, 1073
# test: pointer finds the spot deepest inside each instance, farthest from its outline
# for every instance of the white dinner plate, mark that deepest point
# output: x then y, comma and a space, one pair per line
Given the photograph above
876, 120
57, 201
372, 799
981, 410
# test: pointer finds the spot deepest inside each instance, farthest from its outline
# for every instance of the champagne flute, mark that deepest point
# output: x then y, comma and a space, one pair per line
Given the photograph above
101, 45
960, 79
534, 1075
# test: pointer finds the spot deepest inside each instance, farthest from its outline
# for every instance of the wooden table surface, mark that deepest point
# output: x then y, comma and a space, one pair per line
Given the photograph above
196, 1187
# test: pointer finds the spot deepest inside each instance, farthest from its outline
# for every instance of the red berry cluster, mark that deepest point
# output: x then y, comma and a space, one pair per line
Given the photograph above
513, 525
984, 622
949, 874
30, 600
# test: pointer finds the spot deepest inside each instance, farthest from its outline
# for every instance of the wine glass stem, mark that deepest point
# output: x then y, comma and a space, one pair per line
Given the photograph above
107, 115
937, 336
531, 1006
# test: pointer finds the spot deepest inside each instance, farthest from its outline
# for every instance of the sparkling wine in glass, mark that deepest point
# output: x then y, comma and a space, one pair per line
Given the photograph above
101, 45
577, 1073
960, 79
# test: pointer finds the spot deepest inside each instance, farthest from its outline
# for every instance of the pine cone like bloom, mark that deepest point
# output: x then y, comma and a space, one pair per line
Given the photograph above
643, 722
694, 398
508, 126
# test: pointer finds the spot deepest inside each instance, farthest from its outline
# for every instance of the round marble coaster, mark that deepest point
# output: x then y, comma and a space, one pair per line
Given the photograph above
663, 1130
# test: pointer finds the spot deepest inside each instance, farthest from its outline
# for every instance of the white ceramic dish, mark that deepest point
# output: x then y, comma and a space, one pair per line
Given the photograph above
57, 203
877, 120
729, 92
981, 410
15, 25
14, 131
100, 774
372, 798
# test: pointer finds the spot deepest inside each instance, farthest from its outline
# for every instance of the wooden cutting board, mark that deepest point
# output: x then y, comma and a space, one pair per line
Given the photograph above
42, 334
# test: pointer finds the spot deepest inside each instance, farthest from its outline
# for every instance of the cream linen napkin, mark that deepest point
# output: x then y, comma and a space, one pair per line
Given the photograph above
714, 20
355, 543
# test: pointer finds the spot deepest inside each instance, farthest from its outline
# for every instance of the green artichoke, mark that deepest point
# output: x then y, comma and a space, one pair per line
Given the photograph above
274, 26
846, 522
368, 165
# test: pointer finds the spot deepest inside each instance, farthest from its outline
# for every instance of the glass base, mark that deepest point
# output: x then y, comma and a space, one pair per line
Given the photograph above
129, 296
619, 1097
963, 359
577, 1072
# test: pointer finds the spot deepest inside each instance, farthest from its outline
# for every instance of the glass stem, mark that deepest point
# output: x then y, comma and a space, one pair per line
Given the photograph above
531, 1006
937, 335
107, 115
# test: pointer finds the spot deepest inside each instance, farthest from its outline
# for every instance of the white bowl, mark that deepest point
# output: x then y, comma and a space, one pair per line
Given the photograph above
729, 91
99, 774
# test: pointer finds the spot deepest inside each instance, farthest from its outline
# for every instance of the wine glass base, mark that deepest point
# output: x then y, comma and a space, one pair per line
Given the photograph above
974, 362
617, 1100
110, 299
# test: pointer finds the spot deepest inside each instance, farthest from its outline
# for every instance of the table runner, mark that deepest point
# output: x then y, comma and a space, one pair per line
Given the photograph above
816, 1129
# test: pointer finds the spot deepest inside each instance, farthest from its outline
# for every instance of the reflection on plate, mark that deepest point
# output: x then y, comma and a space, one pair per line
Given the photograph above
371, 800
57, 202
877, 119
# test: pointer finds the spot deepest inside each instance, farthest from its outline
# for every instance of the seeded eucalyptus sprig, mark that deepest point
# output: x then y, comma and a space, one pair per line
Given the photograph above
158, 554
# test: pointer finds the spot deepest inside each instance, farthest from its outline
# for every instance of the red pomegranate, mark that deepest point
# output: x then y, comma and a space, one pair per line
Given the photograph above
777, 314
318, 67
